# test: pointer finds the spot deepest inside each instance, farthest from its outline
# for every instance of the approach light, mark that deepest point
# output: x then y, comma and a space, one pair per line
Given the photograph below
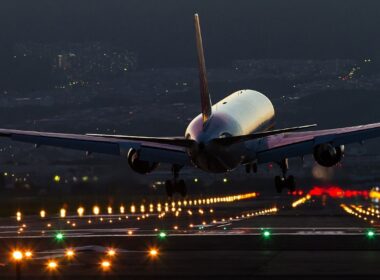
105, 265
52, 265
69, 253
153, 253
80, 211
225, 180
17, 255
96, 210
111, 252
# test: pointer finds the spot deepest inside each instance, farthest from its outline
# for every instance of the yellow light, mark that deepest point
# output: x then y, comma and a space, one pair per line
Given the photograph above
96, 210
142, 208
28, 254
122, 209
18, 216
130, 232
153, 252
105, 265
57, 178
52, 265
42, 213
62, 213
133, 209
69, 253
111, 252
17, 255
109, 210
80, 211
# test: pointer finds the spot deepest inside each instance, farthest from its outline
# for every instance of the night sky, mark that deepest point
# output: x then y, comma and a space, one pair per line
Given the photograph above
162, 31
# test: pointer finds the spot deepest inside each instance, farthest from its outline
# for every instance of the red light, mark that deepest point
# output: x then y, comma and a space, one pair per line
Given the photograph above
336, 192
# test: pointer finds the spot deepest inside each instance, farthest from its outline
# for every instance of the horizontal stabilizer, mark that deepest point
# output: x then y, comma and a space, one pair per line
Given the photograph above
243, 138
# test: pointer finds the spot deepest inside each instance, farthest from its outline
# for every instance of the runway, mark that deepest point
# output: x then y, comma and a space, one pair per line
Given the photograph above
258, 236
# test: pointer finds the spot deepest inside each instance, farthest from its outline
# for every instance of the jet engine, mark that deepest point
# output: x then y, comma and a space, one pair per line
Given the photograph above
327, 155
140, 166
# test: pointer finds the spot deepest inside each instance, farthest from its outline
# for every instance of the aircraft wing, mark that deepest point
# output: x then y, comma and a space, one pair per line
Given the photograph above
148, 150
286, 145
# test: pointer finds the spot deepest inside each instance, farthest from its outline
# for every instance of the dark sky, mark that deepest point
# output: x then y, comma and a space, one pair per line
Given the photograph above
161, 31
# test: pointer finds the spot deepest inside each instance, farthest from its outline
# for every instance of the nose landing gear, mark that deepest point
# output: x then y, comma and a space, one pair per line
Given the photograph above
282, 182
175, 186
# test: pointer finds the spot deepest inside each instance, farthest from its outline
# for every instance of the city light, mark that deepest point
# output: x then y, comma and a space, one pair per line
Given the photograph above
57, 178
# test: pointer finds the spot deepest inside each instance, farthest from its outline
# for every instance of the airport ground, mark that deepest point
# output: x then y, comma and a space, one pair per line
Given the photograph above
329, 235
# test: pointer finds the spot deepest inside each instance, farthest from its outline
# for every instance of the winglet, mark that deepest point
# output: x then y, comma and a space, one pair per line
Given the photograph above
205, 96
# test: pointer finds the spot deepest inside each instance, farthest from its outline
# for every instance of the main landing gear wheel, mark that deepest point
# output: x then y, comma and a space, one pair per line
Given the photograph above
282, 182
175, 185
285, 183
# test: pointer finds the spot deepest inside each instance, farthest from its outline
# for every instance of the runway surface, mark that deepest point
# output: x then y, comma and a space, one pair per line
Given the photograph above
314, 235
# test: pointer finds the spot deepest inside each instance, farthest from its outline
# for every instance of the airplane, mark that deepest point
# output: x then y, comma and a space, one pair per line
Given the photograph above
238, 130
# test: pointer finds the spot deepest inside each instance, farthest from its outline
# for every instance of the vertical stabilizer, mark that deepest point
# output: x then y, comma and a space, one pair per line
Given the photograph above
205, 96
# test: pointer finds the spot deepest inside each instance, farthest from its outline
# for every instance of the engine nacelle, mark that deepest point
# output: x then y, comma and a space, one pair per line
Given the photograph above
327, 155
140, 166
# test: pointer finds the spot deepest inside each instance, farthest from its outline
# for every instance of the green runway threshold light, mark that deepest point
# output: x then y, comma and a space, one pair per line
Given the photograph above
370, 233
266, 233
59, 236
162, 235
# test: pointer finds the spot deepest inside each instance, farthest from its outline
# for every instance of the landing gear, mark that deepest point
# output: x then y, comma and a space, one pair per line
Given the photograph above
282, 182
251, 167
175, 186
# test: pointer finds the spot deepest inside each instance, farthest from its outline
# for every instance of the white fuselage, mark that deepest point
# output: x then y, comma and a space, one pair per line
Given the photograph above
243, 112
